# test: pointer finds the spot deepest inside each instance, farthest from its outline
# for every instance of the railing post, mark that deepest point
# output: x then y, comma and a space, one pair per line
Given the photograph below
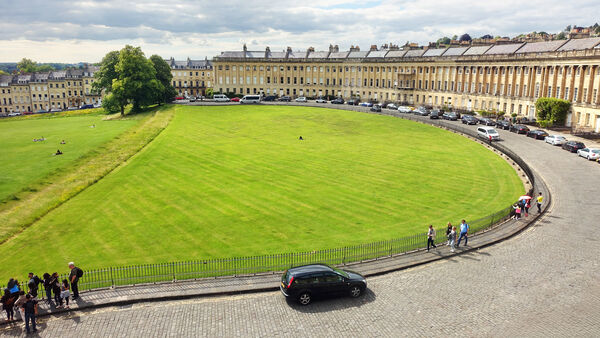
112, 279
173, 270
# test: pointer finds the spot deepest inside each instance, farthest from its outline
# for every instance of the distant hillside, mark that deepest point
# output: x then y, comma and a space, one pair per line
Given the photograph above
10, 67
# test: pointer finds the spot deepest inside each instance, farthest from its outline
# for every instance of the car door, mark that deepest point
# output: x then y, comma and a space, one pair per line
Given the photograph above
333, 283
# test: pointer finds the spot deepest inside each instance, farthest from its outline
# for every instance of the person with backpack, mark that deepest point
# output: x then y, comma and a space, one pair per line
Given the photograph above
8, 301
30, 309
33, 284
448, 231
13, 286
74, 276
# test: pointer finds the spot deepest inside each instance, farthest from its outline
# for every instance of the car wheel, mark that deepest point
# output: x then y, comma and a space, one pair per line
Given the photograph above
355, 291
304, 298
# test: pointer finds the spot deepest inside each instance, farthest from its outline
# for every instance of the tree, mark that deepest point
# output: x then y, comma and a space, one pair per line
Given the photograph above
487, 36
568, 28
128, 77
454, 37
561, 36
209, 92
443, 41
164, 77
3, 72
465, 37
552, 111
30, 66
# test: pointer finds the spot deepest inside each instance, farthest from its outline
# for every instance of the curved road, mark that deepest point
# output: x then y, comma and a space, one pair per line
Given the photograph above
543, 282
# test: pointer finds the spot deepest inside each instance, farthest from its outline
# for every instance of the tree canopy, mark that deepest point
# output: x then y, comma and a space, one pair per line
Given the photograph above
552, 111
128, 77
30, 66
465, 37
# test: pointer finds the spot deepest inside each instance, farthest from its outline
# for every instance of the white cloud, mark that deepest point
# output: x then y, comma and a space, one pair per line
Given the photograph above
71, 31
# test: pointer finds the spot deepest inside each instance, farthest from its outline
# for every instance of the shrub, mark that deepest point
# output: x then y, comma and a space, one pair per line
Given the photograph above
550, 111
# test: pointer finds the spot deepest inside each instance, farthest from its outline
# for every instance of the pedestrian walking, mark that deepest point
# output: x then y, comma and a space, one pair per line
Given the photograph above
30, 308
539, 201
8, 301
431, 237
464, 233
48, 287
526, 208
33, 284
518, 212
55, 285
452, 238
64, 294
74, 276
448, 230
19, 304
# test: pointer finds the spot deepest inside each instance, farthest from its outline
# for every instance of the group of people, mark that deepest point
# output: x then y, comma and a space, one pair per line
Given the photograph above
42, 139
26, 304
450, 234
521, 208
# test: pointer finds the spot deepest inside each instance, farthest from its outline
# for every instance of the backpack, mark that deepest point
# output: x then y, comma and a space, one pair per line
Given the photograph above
79, 273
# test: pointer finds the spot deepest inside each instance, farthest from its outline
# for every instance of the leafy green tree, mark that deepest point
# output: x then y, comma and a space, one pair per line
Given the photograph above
3, 72
561, 36
164, 77
128, 77
209, 93
552, 111
30, 66
454, 37
465, 37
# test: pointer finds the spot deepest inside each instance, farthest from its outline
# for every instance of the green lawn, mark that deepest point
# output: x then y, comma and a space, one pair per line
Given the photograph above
24, 163
236, 181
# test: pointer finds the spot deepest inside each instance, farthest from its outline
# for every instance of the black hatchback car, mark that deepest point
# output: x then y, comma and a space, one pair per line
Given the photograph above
487, 121
302, 283
573, 146
537, 134
468, 119
503, 124
519, 129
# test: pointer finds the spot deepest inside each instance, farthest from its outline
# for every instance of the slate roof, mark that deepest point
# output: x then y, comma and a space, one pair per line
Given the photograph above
338, 55
414, 53
358, 54
377, 53
435, 52
296, 55
395, 54
538, 47
504, 49
318, 55
5, 80
579, 44
277, 55
477, 50
455, 51
231, 54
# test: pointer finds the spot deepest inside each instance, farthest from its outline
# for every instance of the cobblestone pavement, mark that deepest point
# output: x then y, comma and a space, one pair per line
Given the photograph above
544, 282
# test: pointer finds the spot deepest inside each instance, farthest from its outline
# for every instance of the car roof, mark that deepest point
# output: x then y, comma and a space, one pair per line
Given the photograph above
301, 270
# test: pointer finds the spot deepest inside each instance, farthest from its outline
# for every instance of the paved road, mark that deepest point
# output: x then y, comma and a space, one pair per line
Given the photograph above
544, 282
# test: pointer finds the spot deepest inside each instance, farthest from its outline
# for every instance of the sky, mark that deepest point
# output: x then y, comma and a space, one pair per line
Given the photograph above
84, 31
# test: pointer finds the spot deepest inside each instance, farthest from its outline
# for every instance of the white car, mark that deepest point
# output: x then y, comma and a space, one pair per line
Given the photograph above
590, 153
404, 109
392, 106
488, 133
301, 99
555, 140
321, 100
221, 98
14, 114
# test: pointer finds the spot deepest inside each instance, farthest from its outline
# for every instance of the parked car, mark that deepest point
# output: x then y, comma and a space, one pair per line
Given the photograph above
468, 119
250, 99
306, 282
337, 101
376, 108
555, 140
14, 114
270, 98
320, 100
391, 106
537, 134
592, 154
301, 99
235, 99
220, 98
285, 99
503, 124
450, 116
353, 102
519, 129
488, 133
435, 114
486, 121
573, 146
404, 109
87, 106
366, 104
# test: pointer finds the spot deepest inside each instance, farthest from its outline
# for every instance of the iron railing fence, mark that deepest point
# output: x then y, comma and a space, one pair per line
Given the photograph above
111, 277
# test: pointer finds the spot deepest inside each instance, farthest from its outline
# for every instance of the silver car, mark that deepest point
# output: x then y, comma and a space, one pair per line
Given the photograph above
555, 140
590, 153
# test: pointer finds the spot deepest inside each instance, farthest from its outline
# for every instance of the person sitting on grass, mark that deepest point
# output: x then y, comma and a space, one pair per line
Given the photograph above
58, 152
63, 142
301, 139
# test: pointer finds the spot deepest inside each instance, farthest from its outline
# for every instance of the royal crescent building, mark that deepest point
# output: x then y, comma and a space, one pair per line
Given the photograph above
506, 77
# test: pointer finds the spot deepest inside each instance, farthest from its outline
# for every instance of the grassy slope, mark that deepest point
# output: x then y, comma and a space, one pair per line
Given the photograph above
232, 181
24, 162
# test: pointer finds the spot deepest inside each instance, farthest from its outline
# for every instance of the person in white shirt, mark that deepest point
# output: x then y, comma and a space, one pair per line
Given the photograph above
431, 238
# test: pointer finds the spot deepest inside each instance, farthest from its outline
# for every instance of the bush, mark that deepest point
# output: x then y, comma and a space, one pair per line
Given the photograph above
550, 111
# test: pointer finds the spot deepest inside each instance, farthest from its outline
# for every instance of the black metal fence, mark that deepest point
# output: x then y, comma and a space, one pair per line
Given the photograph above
187, 270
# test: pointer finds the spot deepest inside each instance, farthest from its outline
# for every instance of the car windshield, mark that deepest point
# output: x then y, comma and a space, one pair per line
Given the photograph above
341, 272
596, 151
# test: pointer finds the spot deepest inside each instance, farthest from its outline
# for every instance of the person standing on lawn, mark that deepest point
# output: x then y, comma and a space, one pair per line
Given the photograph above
30, 308
74, 276
464, 232
431, 237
